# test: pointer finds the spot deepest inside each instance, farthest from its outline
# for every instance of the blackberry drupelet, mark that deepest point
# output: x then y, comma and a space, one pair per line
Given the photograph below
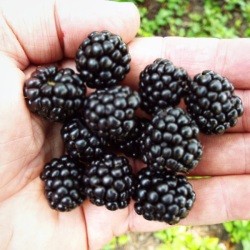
64, 188
80, 142
161, 85
212, 104
110, 112
54, 94
130, 146
162, 196
102, 60
108, 182
171, 141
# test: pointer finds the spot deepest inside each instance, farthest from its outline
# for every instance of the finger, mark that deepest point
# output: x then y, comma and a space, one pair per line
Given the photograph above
227, 57
103, 224
227, 154
218, 199
48, 30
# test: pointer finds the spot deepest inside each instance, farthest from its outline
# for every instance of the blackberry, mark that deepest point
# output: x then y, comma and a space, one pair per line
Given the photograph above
171, 141
108, 182
54, 94
161, 85
212, 104
102, 60
161, 196
130, 146
63, 184
110, 112
80, 142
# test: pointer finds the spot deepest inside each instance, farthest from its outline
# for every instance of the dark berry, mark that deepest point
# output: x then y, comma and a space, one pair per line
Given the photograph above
171, 141
212, 104
161, 85
63, 184
102, 60
110, 112
108, 182
54, 94
162, 196
80, 142
130, 146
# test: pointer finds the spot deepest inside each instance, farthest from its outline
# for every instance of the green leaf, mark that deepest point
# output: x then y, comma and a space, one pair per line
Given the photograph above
123, 239
239, 231
182, 238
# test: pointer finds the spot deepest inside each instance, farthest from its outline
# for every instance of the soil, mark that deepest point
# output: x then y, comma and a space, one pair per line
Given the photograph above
153, 7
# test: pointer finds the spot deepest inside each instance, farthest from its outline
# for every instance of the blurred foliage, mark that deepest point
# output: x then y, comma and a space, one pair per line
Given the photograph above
221, 18
178, 237
117, 242
182, 238
239, 232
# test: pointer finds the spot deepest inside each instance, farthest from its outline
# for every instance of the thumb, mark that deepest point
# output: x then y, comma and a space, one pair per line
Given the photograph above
48, 30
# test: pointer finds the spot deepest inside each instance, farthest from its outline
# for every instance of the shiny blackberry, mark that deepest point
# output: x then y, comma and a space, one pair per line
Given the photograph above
110, 112
130, 146
212, 104
54, 94
108, 182
102, 59
171, 141
64, 188
80, 142
162, 196
161, 85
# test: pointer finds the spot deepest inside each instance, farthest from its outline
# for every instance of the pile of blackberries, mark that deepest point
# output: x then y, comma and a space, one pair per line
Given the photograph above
100, 128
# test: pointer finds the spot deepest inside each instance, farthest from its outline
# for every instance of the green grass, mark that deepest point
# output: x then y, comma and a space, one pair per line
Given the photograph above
239, 232
187, 238
178, 237
117, 242
183, 238
222, 19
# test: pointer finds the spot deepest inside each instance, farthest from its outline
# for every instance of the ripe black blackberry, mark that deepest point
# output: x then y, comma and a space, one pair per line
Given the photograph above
110, 112
102, 59
54, 94
63, 184
108, 182
162, 196
161, 85
80, 142
211, 103
130, 146
171, 141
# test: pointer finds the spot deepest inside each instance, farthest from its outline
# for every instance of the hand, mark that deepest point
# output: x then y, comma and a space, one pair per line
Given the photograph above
44, 32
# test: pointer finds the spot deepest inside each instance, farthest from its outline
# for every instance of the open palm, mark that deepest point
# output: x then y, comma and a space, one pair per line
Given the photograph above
47, 32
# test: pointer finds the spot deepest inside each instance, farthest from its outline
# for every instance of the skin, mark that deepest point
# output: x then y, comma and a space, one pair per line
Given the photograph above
48, 31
